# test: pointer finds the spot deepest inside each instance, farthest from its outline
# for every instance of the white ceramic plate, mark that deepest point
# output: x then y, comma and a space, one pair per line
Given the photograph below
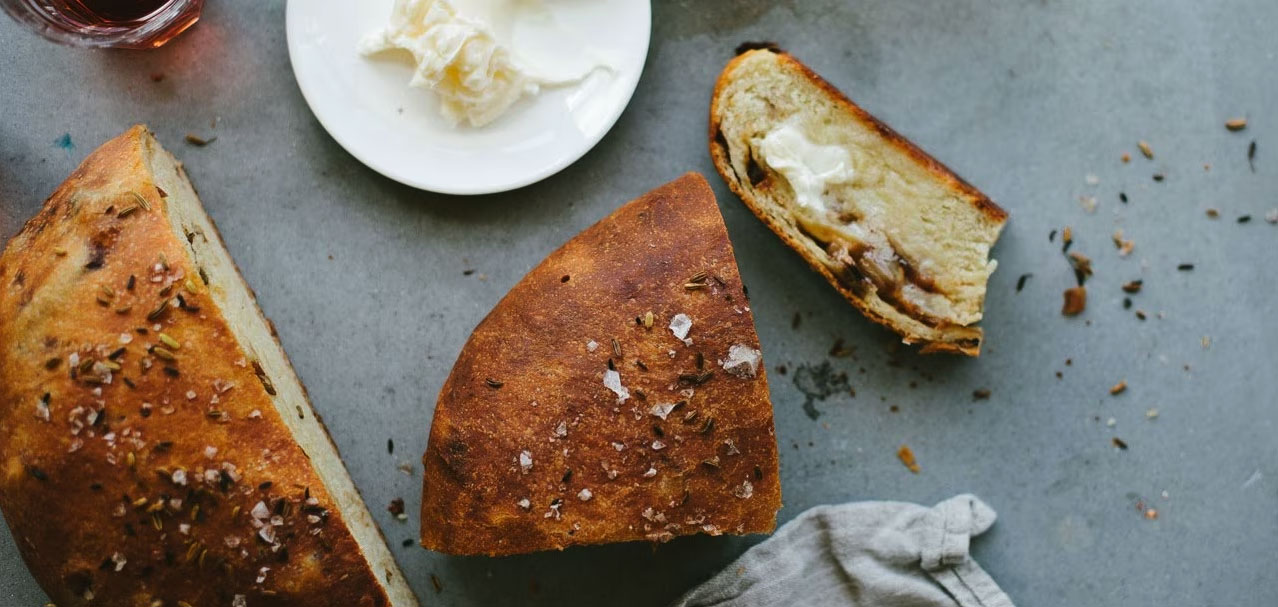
368, 107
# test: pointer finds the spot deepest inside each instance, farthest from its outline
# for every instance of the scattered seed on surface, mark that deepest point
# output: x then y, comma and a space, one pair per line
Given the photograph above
1145, 149
1236, 124
1118, 388
198, 141
906, 456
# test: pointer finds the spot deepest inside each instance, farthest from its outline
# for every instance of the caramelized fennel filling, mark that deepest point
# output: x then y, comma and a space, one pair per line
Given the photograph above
255, 336
861, 267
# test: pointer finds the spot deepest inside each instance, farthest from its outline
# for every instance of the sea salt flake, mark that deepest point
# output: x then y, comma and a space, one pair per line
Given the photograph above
742, 361
119, 560
210, 451
592, 345
525, 504
260, 511
231, 471
585, 495
744, 490
42, 410
680, 325
663, 410
658, 445
612, 381
651, 472
126, 339
179, 477
239, 601
525, 460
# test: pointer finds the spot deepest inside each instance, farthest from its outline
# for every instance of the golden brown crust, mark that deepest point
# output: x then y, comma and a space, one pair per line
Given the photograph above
963, 340
530, 380
132, 475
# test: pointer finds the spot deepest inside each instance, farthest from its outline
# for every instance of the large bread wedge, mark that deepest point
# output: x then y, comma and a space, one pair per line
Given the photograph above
157, 446
898, 234
575, 414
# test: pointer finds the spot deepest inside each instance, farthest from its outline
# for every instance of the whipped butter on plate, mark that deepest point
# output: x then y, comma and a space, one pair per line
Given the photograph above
482, 56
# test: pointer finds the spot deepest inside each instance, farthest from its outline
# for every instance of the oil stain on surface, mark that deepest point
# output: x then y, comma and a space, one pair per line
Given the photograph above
817, 383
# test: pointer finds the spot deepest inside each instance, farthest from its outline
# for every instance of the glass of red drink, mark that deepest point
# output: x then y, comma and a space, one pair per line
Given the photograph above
106, 23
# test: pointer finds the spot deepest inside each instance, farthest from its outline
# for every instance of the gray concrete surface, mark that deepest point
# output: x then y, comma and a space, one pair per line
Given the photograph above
364, 278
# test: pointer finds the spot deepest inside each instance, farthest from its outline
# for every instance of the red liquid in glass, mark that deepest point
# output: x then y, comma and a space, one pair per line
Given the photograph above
112, 12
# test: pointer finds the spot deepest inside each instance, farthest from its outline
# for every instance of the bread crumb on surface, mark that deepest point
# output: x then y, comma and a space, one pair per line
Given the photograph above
1075, 301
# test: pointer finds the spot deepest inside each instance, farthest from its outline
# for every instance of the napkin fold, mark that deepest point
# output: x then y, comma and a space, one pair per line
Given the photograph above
880, 554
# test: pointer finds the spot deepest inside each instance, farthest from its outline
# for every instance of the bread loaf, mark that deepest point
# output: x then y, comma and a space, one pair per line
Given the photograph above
158, 448
616, 393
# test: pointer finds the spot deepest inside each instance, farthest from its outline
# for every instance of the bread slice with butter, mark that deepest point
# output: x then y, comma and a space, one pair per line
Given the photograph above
902, 237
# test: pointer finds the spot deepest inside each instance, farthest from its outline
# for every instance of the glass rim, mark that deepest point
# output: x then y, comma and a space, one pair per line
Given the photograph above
139, 34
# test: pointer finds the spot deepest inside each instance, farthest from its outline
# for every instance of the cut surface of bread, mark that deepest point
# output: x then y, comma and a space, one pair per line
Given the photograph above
159, 448
903, 238
616, 393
